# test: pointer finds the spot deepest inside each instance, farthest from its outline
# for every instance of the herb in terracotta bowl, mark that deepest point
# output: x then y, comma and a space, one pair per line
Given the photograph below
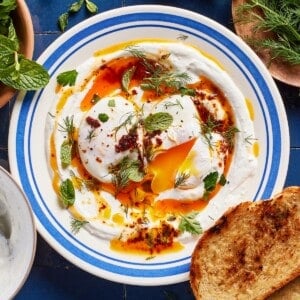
18, 72
272, 29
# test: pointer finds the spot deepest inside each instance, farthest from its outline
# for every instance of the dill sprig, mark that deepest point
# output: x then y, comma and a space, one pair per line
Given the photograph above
229, 135
161, 79
76, 225
279, 17
67, 127
181, 179
159, 76
207, 128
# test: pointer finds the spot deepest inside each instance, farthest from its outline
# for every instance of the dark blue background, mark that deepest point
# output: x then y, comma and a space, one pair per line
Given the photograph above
53, 277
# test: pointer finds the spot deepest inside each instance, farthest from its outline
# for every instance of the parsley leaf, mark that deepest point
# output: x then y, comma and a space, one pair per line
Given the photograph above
189, 223
210, 181
67, 78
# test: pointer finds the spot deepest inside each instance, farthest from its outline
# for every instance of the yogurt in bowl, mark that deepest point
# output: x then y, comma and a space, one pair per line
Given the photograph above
17, 236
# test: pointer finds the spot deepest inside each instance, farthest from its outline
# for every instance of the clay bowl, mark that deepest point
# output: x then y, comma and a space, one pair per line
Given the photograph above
280, 70
23, 23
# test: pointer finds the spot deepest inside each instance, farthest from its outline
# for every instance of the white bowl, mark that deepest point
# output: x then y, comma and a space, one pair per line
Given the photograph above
17, 236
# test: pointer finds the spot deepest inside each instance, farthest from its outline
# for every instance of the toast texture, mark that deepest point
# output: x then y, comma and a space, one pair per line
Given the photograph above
252, 251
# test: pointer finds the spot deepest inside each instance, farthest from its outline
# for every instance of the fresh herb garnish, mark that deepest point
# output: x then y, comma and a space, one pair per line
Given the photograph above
63, 19
67, 78
187, 91
279, 17
158, 121
189, 223
66, 149
76, 225
250, 139
68, 127
91, 134
67, 192
222, 180
17, 71
161, 79
129, 119
229, 135
172, 104
111, 103
207, 128
210, 182
103, 117
126, 78
127, 170
181, 178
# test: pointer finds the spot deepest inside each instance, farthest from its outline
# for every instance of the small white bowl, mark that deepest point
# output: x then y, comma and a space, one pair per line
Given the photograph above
17, 236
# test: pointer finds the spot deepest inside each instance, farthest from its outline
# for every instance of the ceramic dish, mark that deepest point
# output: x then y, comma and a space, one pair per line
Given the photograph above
17, 236
282, 71
23, 22
27, 132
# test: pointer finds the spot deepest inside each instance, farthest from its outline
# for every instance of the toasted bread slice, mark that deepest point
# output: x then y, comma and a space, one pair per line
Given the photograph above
252, 250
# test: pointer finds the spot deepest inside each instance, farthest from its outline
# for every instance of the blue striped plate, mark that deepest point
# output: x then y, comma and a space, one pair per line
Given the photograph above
27, 131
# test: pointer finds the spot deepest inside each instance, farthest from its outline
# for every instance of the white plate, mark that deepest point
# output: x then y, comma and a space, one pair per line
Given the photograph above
17, 252
27, 132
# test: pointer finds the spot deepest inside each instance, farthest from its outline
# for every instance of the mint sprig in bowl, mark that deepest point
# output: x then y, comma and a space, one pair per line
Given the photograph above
18, 72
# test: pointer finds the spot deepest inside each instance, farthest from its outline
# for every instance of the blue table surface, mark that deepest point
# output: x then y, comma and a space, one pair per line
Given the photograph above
52, 276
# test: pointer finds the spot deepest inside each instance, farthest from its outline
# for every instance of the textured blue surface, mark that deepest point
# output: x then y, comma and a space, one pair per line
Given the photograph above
52, 277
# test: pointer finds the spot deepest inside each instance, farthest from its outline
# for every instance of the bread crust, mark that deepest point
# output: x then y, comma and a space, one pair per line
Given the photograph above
251, 251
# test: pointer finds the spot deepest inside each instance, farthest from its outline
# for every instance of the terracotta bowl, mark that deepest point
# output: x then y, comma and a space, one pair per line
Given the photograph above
23, 23
280, 70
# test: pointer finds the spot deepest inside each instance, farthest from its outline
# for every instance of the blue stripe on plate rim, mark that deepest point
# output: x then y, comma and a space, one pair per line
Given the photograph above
233, 52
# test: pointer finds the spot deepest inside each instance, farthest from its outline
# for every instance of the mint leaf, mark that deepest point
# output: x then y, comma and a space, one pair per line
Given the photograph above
127, 170
91, 6
63, 21
28, 75
12, 34
66, 149
126, 78
67, 192
67, 78
76, 6
6, 6
111, 103
7, 45
158, 121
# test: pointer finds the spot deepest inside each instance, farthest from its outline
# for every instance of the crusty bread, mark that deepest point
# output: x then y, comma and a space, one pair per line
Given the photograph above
252, 250
291, 291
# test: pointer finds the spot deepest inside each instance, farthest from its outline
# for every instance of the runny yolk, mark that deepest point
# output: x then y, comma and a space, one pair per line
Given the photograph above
164, 167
